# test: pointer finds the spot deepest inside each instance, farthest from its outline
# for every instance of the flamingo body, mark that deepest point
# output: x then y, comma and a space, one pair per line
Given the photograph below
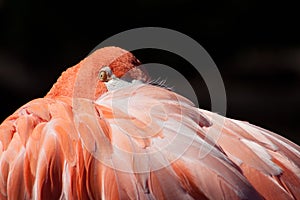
137, 142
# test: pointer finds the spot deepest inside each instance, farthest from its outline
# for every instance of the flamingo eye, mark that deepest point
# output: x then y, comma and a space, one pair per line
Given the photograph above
103, 76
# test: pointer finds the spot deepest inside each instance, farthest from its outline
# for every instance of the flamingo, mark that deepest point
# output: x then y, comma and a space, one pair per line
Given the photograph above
96, 136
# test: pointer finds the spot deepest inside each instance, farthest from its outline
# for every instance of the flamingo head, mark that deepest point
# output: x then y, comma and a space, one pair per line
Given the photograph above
98, 73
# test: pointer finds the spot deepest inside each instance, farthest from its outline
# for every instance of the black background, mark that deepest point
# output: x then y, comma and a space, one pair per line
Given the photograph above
255, 45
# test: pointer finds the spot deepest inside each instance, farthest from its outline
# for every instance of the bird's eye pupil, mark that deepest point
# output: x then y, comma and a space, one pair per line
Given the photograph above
103, 76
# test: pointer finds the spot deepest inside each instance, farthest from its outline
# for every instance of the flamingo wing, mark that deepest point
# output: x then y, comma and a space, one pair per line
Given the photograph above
140, 142
179, 151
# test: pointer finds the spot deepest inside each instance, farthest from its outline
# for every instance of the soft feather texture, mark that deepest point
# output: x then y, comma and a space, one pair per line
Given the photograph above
140, 142
51, 157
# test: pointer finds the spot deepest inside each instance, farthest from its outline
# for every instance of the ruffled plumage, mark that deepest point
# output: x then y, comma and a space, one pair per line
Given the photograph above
140, 142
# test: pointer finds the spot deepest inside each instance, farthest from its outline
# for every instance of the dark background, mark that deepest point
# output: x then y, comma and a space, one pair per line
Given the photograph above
255, 45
